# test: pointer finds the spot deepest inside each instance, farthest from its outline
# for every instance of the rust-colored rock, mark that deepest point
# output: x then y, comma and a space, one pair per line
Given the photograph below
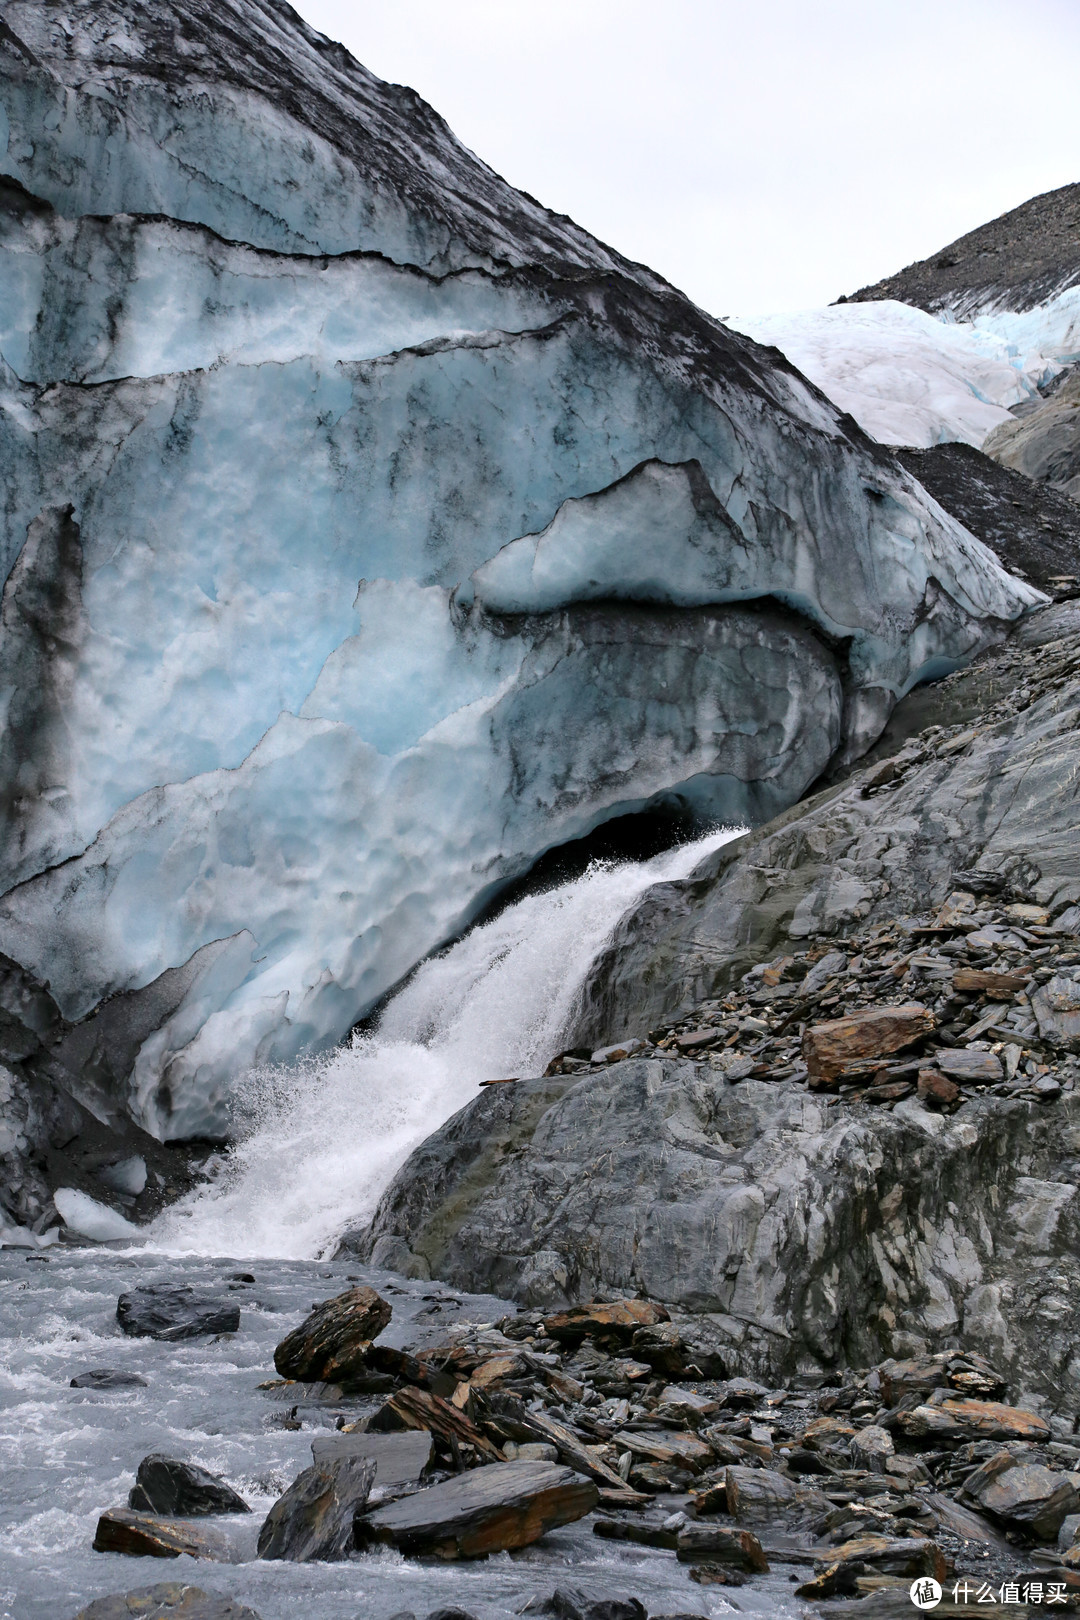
614, 1323
717, 1544
669, 1448
973, 981
332, 1343
907, 1556
141, 1535
961, 1370
419, 1409
487, 1510
972, 1420
827, 1431
937, 1089
875, 1032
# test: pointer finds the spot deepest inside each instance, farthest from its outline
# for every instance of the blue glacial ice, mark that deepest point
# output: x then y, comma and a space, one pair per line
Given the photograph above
369, 530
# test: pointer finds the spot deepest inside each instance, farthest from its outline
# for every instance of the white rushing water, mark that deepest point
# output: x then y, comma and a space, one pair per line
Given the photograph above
320, 1141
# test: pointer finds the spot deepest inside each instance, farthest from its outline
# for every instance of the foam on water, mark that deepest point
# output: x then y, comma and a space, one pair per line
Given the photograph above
321, 1139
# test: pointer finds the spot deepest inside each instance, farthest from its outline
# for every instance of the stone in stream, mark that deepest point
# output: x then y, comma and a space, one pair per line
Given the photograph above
872, 1033
181, 1490
314, 1517
169, 1600
332, 1343
485, 1510
400, 1459
575, 1603
719, 1545
885, 1555
108, 1378
418, 1409
141, 1535
173, 1312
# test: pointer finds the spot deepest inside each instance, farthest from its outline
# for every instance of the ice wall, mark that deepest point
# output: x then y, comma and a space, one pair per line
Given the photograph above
368, 530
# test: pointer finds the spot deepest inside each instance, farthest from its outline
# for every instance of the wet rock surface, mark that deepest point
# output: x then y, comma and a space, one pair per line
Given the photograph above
180, 1489
168, 1600
161, 1311
314, 1518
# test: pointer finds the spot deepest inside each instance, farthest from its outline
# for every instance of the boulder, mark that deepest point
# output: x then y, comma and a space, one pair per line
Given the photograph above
141, 1535
399, 1459
1023, 1495
169, 1600
876, 1032
614, 1323
972, 1420
739, 1548
970, 1068
419, 1409
964, 1371
181, 1490
108, 1378
761, 1496
314, 1518
645, 1535
486, 1510
174, 1312
977, 981
1056, 1006
871, 1448
332, 1343
885, 1555
667, 1447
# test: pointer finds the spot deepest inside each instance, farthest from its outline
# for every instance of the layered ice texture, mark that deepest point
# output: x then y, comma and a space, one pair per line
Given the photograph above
369, 530
919, 379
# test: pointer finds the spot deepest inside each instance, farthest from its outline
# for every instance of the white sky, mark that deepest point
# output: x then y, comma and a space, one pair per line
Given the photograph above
761, 154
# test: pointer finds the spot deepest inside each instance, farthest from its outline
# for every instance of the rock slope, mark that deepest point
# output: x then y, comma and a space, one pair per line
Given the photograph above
1018, 261
370, 530
824, 1192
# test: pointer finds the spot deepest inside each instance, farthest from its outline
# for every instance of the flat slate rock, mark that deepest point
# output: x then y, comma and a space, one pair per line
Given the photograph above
332, 1343
108, 1378
399, 1459
491, 1509
607, 1322
141, 1535
181, 1490
162, 1311
313, 1520
169, 1600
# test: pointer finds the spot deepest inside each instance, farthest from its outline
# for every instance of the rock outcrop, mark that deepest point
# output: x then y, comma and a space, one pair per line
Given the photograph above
425, 534
1017, 261
823, 1199
1044, 444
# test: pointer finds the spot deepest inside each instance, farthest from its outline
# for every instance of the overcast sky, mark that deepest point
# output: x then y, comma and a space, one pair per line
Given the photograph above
761, 154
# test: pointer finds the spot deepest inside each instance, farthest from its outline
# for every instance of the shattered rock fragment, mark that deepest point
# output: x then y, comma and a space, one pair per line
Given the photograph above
484, 1511
314, 1518
332, 1343
871, 1033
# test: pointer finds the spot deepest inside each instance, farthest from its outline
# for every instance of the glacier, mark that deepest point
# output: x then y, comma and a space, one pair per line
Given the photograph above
918, 379
368, 531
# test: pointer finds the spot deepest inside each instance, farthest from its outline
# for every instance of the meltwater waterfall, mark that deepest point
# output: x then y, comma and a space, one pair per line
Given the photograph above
319, 1141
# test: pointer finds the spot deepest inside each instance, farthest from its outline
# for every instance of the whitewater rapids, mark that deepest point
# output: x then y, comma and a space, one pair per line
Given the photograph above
319, 1141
